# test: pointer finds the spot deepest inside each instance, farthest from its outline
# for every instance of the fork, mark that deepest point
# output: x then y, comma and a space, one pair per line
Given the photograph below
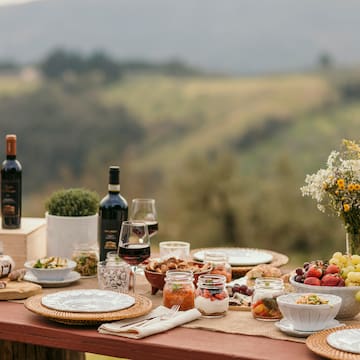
169, 314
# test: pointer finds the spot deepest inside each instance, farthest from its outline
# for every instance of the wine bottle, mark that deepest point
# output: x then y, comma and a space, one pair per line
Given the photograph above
11, 172
113, 210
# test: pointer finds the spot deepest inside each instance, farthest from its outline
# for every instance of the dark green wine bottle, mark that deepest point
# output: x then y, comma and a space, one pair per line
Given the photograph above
113, 210
11, 172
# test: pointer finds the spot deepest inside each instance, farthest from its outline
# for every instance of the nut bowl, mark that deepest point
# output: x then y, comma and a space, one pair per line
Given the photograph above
51, 273
156, 278
349, 308
306, 317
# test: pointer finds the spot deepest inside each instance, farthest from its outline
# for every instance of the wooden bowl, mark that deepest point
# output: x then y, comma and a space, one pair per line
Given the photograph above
157, 279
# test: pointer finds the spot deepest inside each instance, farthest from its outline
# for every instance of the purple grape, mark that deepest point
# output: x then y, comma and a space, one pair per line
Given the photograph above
299, 271
249, 292
299, 278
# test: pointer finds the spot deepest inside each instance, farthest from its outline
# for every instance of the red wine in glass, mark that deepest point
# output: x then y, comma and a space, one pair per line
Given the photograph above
134, 254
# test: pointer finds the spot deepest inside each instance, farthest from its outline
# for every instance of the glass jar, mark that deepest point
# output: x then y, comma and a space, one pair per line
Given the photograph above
220, 264
86, 258
179, 289
264, 305
211, 297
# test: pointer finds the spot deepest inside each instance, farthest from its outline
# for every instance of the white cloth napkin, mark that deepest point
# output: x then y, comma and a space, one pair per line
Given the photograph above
152, 327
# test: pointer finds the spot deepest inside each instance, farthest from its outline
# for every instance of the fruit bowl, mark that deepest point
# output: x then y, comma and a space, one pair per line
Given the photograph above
307, 317
349, 308
157, 279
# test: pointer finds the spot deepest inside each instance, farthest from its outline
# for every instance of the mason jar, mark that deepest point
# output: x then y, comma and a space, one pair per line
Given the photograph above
264, 305
179, 289
211, 296
86, 258
220, 264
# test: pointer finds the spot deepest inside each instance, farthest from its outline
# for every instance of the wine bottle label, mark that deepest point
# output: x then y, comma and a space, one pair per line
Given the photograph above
10, 191
114, 187
111, 238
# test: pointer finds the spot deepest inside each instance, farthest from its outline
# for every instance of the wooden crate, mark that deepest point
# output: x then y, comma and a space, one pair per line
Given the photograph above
26, 243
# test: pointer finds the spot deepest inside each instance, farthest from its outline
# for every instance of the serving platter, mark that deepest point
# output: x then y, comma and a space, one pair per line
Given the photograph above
142, 306
240, 256
87, 301
277, 259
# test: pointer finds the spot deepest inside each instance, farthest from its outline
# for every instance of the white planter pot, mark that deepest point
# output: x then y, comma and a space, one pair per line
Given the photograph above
64, 233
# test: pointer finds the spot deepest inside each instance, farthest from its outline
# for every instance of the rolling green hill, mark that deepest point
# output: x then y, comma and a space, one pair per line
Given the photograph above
224, 157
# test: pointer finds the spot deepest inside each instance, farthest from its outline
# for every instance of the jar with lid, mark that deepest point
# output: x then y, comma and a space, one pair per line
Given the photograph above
264, 305
219, 262
86, 258
211, 297
179, 289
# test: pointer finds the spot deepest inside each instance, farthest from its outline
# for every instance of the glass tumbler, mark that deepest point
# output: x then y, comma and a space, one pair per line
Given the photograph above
114, 276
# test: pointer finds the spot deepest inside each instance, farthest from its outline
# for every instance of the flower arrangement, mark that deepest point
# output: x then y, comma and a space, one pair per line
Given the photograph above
337, 188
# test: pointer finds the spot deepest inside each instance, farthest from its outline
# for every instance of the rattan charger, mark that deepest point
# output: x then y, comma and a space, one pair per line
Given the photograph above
142, 306
318, 344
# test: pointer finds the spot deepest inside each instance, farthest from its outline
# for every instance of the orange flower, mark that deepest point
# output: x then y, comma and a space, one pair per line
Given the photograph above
346, 207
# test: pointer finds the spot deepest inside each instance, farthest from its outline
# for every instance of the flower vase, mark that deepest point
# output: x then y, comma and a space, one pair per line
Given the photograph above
352, 243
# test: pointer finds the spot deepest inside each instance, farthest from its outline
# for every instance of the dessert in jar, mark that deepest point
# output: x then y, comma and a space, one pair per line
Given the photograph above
179, 289
264, 305
219, 263
86, 259
212, 299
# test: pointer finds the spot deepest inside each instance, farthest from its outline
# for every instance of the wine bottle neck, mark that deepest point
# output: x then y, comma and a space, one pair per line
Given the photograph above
114, 187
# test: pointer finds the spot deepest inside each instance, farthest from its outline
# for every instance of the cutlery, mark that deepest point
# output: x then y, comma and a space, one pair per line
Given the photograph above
172, 311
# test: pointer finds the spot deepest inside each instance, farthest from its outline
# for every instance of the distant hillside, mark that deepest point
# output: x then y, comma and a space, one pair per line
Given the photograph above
226, 36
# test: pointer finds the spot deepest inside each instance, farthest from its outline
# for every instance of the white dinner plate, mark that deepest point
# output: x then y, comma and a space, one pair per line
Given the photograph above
345, 340
88, 301
240, 256
285, 326
72, 277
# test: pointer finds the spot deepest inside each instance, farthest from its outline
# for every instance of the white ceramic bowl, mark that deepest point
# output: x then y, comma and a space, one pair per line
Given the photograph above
306, 317
349, 308
56, 274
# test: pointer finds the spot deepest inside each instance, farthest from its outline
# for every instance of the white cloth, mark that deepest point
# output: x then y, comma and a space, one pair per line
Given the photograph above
152, 327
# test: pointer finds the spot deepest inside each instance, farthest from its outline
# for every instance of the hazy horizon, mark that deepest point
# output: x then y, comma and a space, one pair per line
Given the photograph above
232, 37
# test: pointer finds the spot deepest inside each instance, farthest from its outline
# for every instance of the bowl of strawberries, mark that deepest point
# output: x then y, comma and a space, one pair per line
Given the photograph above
339, 276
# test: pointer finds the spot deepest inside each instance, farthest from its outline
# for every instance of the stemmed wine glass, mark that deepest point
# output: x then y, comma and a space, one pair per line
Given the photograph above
145, 210
134, 244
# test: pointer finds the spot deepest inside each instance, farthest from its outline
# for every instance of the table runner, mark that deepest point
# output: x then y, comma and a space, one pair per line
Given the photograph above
235, 322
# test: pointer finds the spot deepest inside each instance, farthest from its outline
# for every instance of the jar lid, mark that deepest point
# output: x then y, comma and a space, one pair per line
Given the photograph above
269, 283
179, 276
211, 281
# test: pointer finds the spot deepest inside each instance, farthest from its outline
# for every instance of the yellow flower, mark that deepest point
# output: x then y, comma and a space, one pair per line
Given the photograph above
346, 207
341, 184
351, 187
357, 187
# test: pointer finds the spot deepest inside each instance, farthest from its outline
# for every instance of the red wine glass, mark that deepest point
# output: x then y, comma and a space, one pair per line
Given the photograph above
134, 243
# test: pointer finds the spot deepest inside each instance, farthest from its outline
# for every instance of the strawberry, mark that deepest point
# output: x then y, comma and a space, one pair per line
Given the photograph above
330, 280
314, 271
312, 281
332, 269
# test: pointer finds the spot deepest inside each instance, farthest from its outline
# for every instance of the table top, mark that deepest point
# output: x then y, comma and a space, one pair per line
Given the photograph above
18, 324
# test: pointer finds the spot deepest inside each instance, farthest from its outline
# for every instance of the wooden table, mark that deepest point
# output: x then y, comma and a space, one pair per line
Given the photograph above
17, 324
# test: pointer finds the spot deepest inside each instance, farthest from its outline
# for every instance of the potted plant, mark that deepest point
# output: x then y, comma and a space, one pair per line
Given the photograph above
71, 218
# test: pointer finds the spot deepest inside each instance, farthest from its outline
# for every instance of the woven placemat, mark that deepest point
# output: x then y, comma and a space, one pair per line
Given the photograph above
142, 306
318, 344
239, 271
